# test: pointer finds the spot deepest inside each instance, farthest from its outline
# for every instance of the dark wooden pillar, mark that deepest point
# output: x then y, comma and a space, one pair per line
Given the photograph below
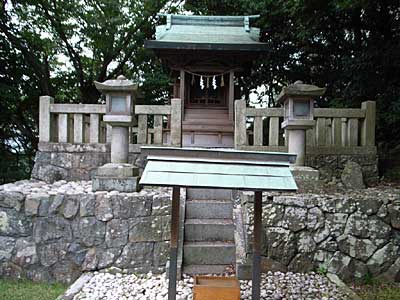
256, 279
182, 90
173, 258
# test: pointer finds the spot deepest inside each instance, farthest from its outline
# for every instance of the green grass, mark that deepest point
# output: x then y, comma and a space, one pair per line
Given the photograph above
28, 290
378, 291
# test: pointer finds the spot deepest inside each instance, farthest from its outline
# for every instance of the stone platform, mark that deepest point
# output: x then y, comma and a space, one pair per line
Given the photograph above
54, 232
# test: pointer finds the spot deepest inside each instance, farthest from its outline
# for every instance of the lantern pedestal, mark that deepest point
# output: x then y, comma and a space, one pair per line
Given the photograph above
296, 131
116, 177
296, 144
119, 137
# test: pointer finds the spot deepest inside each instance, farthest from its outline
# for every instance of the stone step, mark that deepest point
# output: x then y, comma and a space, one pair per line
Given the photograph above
209, 230
208, 128
194, 121
209, 117
206, 269
209, 209
209, 253
207, 111
208, 194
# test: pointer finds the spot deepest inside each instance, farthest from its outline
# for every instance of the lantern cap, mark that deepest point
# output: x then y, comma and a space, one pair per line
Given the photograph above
300, 89
121, 84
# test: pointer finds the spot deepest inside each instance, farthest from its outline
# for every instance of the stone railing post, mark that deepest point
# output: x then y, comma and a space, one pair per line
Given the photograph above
176, 122
240, 123
368, 124
45, 118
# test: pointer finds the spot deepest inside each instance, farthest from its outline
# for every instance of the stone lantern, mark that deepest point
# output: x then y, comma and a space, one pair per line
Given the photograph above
118, 175
298, 103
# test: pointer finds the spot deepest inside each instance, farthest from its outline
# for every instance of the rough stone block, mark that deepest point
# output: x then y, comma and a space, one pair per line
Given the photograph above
161, 254
383, 258
131, 206
71, 206
103, 207
32, 203
281, 244
13, 223
352, 176
89, 231
135, 254
6, 248
87, 205
51, 253
48, 173
149, 229
51, 229
107, 257
26, 253
11, 200
56, 204
117, 233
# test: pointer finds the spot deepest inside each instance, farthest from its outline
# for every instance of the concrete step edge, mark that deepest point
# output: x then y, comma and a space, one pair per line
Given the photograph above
205, 269
204, 221
214, 244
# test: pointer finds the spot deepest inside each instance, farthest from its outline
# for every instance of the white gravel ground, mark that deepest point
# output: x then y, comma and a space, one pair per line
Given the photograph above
275, 286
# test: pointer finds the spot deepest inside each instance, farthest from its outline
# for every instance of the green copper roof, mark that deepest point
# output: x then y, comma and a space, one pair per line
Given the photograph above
202, 32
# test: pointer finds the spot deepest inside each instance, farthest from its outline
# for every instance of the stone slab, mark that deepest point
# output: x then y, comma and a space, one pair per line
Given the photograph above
209, 253
126, 185
118, 170
76, 287
342, 286
208, 194
209, 209
209, 230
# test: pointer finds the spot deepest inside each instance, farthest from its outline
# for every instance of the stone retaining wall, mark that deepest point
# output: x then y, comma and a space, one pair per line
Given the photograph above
351, 235
332, 165
64, 161
55, 232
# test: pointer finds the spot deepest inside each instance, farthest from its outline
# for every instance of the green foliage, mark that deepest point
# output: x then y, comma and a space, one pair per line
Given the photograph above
369, 279
25, 289
59, 48
372, 288
322, 269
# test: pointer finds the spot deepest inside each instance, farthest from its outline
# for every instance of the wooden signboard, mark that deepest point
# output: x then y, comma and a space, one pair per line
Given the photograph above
216, 288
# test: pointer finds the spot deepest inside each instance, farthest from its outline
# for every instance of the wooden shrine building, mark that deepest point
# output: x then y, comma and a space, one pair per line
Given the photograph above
206, 56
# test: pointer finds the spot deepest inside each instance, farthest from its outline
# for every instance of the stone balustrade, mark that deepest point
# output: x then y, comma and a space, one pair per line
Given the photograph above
83, 123
340, 135
336, 128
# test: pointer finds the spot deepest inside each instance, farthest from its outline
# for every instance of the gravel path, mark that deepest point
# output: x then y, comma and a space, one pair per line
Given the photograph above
275, 286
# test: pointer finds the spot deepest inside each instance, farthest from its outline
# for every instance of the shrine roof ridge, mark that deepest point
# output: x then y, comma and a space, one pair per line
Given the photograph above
228, 33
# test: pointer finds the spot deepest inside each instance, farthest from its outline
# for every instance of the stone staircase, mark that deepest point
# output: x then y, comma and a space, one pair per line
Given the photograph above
209, 244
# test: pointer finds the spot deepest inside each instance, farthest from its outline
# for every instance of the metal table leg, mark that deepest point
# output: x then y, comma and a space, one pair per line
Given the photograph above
257, 246
174, 243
